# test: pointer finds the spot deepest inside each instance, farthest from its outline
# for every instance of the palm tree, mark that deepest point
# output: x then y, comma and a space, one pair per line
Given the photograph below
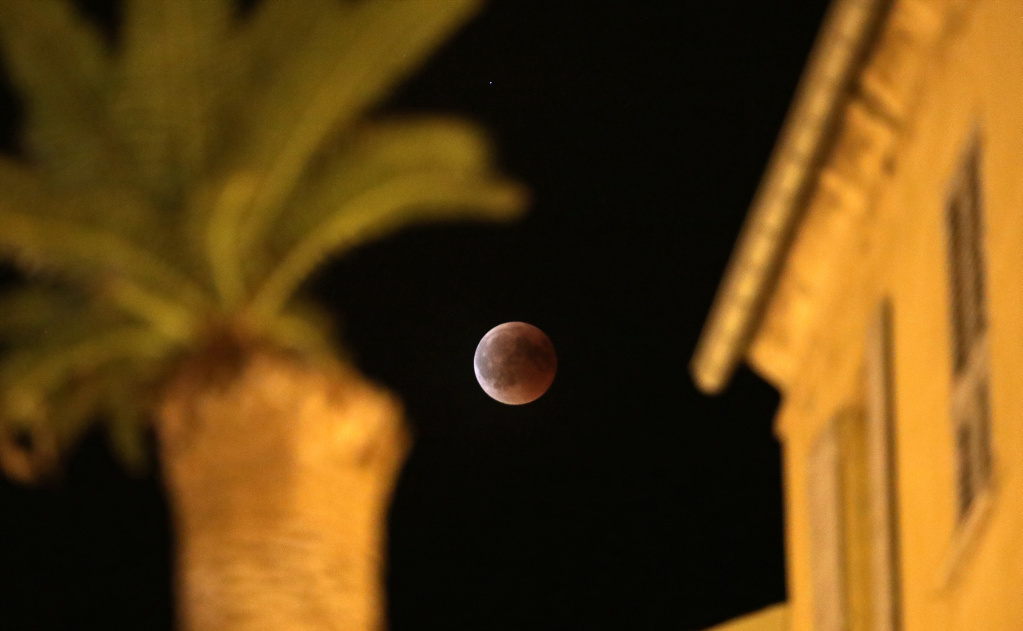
172, 194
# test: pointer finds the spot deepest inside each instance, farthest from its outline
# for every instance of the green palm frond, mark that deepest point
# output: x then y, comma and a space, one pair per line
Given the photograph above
374, 153
31, 313
65, 392
67, 358
61, 386
127, 396
165, 92
234, 195
258, 48
40, 315
252, 54
43, 369
115, 208
411, 198
59, 64
61, 233
306, 328
126, 422
358, 52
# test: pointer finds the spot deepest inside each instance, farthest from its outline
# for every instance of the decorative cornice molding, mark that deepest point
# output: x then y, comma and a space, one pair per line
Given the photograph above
836, 215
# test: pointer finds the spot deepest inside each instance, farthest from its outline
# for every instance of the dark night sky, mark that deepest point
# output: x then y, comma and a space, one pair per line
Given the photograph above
622, 499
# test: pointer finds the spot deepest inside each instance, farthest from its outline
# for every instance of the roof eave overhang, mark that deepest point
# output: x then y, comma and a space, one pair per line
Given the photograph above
847, 36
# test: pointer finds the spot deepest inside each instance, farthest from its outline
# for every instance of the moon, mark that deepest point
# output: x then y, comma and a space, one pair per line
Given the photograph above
515, 363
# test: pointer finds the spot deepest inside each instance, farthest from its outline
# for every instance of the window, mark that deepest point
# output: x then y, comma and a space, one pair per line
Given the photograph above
881, 457
853, 500
968, 315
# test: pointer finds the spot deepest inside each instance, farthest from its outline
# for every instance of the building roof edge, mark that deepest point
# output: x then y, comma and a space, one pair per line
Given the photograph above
848, 35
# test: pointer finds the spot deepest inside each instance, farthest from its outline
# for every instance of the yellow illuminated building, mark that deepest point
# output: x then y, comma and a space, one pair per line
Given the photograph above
878, 284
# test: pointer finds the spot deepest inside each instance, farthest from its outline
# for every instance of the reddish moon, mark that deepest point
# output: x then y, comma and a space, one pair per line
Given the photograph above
515, 363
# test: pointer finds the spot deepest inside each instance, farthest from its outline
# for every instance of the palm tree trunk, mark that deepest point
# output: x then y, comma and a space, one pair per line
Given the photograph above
280, 473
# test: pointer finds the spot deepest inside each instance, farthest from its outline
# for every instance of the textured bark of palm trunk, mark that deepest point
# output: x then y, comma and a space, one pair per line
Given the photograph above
279, 473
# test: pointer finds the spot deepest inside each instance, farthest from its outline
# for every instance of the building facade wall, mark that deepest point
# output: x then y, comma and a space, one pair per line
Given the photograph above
886, 237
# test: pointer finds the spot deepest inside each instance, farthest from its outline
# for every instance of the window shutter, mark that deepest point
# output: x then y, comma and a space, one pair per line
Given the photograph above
827, 542
881, 456
968, 315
